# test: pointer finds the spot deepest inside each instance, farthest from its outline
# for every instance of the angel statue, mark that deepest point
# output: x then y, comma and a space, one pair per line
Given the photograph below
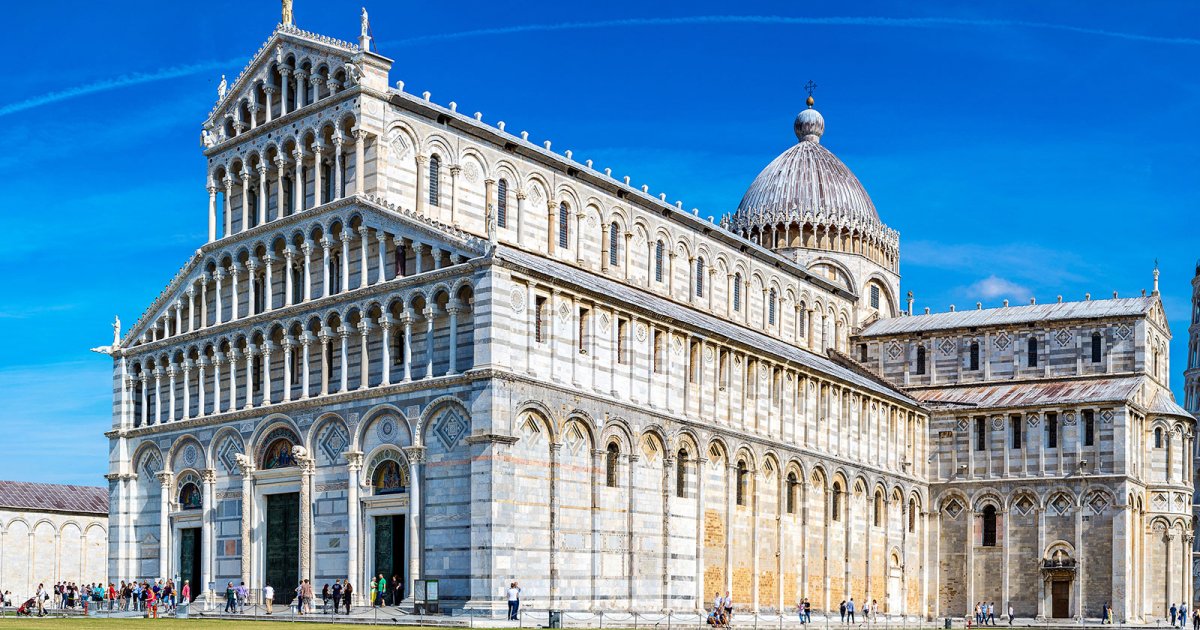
222, 88
287, 12
366, 23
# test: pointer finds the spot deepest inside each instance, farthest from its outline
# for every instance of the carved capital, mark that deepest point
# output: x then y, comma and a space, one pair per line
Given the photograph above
415, 454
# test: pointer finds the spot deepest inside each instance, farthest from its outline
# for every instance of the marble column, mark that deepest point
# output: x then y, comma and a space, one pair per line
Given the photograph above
263, 192
416, 461
208, 478
164, 525
268, 285
344, 335
246, 466
307, 470
364, 362
353, 466
453, 308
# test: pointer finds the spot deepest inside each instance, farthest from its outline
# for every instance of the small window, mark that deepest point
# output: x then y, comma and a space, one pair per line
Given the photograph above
723, 367
1033, 352
1097, 347
974, 355
681, 474
694, 361
1158, 438
1051, 430
835, 501
771, 307
585, 337
1014, 430
801, 316
659, 351
435, 169
502, 203
1089, 427
658, 261
989, 526
793, 489
875, 296
612, 460
862, 353
980, 433
912, 516
564, 225
877, 508
921, 360
743, 483
700, 277
614, 244
737, 292
539, 320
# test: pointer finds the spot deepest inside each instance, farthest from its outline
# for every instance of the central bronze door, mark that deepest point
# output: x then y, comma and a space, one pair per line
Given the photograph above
189, 561
389, 555
1060, 599
283, 546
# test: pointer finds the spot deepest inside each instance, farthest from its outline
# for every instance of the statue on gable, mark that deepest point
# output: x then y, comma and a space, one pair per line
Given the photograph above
366, 24
207, 138
287, 13
353, 73
116, 331
222, 88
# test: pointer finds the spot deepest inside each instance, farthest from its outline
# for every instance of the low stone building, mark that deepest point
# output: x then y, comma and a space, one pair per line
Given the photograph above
51, 533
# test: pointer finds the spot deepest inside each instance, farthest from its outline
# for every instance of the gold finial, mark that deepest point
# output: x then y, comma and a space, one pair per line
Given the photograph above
287, 18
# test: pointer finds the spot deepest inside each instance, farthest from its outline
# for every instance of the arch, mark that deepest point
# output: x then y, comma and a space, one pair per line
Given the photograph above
328, 438
176, 454
435, 411
372, 415
225, 445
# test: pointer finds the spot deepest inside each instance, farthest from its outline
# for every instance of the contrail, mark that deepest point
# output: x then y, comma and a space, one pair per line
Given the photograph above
123, 81
925, 22
175, 72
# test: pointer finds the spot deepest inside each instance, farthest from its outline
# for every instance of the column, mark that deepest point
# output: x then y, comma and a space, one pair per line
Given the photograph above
247, 469
360, 156
141, 378
280, 165
307, 469
422, 173
429, 342
251, 268
364, 363
345, 238
301, 91
288, 343
365, 266
416, 458
454, 169
263, 192
284, 82
158, 374
337, 166
234, 271
382, 239
268, 284
298, 181
228, 181
164, 524
200, 387
187, 390
385, 324
219, 275
353, 465
305, 341
324, 336
218, 361
191, 293
268, 348
326, 245
406, 319
318, 146
251, 350
344, 334
453, 308
235, 355
306, 248
244, 179
208, 478
269, 91
172, 370
212, 212
289, 255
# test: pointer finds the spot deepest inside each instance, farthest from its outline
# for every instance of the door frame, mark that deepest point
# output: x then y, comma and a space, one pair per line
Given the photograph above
384, 505
277, 481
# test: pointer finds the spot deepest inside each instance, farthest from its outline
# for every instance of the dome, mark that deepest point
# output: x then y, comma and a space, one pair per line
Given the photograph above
806, 181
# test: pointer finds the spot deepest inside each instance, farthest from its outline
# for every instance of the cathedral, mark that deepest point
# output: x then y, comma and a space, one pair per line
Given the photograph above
418, 344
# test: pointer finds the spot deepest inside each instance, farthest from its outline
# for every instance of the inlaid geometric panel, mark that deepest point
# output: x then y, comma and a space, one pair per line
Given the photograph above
1122, 332
1106, 416
1033, 419
1023, 505
191, 455
1002, 341
952, 508
1060, 504
1063, 337
517, 299
333, 443
948, 347
451, 427
894, 350
1069, 418
227, 454
1098, 502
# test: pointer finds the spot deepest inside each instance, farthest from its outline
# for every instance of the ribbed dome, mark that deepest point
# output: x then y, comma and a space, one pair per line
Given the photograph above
806, 180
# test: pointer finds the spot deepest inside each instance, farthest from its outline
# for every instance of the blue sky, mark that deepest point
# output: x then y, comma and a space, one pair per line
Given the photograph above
1021, 148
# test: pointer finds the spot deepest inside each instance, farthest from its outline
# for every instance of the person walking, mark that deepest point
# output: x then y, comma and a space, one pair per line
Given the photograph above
152, 604
230, 599
1195, 619
1173, 611
268, 597
1011, 614
308, 597
514, 600
728, 608
850, 611
243, 597
337, 595
1183, 614
346, 593
381, 589
992, 613
842, 609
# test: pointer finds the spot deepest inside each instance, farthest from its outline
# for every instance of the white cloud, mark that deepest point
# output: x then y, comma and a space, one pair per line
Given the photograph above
993, 287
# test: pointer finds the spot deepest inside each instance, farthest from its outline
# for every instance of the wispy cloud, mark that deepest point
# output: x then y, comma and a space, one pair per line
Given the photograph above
993, 287
118, 82
779, 20
1027, 263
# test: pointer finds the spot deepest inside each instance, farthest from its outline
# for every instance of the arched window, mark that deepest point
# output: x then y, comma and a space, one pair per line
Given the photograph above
335, 272
1033, 352
771, 307
801, 316
700, 277
612, 459
435, 168
1097, 347
681, 471
1158, 438
564, 225
737, 292
658, 260
835, 501
912, 515
989, 526
878, 509
974, 355
875, 296
614, 243
502, 203
190, 497
921, 360
252, 208
743, 483
389, 478
793, 489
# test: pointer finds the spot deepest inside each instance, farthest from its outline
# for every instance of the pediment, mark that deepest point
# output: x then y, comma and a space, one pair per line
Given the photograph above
374, 213
291, 48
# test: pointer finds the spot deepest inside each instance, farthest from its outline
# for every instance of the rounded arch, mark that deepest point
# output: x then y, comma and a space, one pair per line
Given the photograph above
328, 437
217, 443
177, 455
538, 413
372, 415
